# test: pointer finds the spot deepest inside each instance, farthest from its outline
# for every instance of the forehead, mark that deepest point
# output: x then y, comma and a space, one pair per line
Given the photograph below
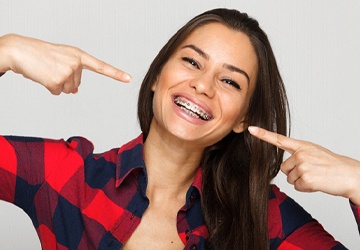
224, 45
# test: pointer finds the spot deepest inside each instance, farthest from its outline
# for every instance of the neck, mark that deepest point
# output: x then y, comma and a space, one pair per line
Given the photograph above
171, 166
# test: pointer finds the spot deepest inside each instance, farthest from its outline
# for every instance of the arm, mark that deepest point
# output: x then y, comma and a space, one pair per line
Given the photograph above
26, 163
63, 64
58, 68
291, 227
312, 168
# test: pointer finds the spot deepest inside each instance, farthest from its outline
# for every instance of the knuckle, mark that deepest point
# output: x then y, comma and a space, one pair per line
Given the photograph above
55, 91
119, 74
302, 169
300, 156
290, 180
303, 186
72, 49
54, 88
307, 181
298, 187
73, 66
57, 85
60, 77
101, 66
66, 90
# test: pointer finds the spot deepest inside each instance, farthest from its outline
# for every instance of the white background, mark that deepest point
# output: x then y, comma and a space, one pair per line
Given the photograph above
317, 44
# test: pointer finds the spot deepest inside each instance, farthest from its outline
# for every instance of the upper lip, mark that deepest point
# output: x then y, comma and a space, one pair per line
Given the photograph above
197, 102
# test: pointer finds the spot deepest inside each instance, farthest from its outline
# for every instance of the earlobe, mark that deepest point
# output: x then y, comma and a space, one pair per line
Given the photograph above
154, 84
153, 87
240, 127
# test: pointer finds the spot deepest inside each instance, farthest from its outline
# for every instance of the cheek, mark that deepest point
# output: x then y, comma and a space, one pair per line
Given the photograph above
156, 104
235, 110
233, 106
160, 102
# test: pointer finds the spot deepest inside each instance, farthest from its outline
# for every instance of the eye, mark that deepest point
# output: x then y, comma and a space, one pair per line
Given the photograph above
232, 83
191, 61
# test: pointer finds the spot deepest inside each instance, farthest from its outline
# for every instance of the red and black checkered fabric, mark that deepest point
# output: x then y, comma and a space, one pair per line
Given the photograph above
80, 200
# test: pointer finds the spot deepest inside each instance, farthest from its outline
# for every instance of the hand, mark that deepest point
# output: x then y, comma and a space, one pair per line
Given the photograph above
57, 67
313, 168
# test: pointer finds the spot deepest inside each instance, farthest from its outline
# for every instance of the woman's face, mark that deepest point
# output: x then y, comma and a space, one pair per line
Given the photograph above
203, 91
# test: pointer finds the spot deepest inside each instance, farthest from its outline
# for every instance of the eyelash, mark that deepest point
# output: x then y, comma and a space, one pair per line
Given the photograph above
193, 63
232, 83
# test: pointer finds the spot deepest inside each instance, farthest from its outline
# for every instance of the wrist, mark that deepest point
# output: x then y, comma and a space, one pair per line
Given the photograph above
5, 53
355, 199
354, 196
9, 47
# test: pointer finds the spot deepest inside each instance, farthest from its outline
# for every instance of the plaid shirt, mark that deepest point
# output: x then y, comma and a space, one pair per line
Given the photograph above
80, 200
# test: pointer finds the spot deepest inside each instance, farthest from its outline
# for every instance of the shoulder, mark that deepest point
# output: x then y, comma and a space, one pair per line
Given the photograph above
284, 214
81, 145
35, 147
292, 215
53, 150
47, 153
290, 225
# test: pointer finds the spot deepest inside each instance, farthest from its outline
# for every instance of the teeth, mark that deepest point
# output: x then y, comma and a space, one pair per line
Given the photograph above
190, 112
192, 109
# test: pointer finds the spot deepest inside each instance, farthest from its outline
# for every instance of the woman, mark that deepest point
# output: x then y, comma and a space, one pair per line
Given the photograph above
196, 177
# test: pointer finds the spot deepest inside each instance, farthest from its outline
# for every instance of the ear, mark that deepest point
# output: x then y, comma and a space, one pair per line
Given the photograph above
154, 84
239, 127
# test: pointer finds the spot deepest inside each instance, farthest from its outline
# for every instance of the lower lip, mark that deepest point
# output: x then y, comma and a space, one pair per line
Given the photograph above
186, 116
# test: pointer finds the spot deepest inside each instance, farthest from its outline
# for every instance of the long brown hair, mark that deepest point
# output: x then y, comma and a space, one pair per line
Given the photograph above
238, 169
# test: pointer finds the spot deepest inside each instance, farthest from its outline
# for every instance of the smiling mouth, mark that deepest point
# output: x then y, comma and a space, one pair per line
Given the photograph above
192, 109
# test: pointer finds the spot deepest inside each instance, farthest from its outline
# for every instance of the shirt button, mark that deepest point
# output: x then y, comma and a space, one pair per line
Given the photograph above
193, 247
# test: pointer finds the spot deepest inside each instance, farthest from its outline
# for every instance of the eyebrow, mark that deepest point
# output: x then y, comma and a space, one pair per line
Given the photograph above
227, 66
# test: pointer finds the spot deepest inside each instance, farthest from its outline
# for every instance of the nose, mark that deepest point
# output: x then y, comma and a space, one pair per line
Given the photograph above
204, 84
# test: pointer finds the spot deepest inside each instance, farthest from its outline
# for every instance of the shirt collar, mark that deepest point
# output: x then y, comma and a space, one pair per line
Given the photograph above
131, 158
197, 183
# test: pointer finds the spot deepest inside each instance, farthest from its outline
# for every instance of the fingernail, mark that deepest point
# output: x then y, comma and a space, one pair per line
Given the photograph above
253, 129
127, 77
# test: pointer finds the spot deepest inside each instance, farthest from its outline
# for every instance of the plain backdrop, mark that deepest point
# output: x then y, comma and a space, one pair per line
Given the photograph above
317, 45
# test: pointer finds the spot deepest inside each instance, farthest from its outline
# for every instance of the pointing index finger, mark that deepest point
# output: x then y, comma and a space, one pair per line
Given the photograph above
91, 63
288, 144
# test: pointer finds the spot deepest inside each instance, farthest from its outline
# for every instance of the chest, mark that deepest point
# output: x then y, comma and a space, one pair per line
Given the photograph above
156, 230
115, 218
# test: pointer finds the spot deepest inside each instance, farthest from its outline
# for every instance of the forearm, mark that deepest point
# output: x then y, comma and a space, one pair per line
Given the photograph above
29, 57
354, 182
346, 180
